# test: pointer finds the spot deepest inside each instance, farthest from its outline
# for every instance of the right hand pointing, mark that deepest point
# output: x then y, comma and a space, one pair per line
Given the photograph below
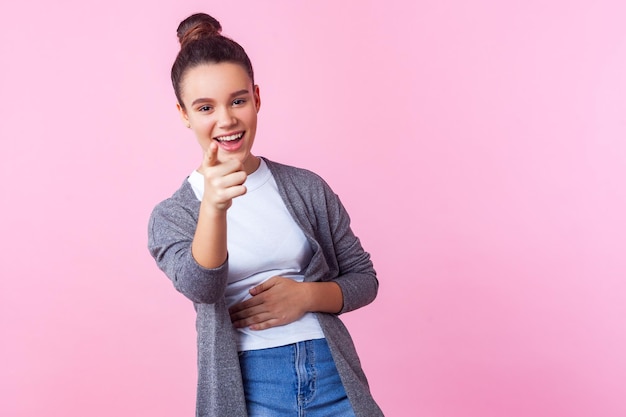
223, 181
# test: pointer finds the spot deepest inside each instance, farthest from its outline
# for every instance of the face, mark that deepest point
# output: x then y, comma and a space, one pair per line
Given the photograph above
221, 106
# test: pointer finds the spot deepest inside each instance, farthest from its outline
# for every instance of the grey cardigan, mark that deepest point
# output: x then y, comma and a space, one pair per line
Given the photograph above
338, 256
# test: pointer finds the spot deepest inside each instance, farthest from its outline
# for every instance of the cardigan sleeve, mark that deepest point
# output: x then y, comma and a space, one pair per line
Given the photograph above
170, 233
356, 275
338, 255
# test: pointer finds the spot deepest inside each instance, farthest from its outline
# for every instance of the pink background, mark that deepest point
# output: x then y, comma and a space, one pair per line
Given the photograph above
478, 145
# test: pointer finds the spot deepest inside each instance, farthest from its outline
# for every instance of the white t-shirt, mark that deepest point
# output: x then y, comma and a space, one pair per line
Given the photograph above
263, 241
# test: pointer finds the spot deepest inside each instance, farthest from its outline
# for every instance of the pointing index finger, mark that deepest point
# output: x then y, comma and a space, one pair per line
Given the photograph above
210, 155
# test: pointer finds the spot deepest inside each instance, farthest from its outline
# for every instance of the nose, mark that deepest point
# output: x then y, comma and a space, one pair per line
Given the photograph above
225, 118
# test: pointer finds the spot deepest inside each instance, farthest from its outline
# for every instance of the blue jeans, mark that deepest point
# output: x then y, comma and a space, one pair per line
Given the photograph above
295, 380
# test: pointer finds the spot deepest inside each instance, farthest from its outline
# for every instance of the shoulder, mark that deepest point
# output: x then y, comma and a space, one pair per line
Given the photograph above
306, 192
181, 205
301, 178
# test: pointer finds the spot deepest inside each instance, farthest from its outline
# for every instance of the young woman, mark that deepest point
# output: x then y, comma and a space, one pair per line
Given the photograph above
264, 250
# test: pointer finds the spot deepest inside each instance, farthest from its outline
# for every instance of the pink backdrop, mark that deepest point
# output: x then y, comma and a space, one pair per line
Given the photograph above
479, 147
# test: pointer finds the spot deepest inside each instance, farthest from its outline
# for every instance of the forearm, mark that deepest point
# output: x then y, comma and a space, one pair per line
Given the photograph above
324, 297
209, 247
358, 289
170, 237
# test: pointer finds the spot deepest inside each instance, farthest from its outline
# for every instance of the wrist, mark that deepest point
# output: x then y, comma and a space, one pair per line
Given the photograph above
308, 296
213, 210
324, 297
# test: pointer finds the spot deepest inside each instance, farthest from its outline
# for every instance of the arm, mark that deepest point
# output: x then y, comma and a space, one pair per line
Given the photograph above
222, 182
170, 235
344, 260
281, 300
355, 273
192, 251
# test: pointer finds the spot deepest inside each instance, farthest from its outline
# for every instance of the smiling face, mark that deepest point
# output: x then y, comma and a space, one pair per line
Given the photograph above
221, 105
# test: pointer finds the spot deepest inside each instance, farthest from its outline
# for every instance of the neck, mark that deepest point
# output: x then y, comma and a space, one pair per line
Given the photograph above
251, 164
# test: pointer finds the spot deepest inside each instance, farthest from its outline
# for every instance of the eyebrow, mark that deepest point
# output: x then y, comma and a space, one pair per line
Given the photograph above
235, 94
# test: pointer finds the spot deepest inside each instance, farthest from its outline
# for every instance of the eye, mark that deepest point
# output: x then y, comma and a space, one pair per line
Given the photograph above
205, 108
239, 101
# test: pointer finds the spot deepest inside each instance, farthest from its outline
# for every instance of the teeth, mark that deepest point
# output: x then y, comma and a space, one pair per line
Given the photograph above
230, 137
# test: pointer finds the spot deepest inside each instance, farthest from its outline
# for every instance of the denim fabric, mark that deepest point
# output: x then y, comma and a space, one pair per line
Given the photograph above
296, 380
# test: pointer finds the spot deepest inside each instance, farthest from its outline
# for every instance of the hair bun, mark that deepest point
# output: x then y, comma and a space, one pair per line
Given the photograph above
197, 26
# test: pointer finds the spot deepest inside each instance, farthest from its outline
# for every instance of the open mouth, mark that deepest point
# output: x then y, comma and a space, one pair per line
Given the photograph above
229, 138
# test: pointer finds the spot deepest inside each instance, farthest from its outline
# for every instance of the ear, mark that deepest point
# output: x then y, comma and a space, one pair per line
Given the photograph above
183, 115
257, 98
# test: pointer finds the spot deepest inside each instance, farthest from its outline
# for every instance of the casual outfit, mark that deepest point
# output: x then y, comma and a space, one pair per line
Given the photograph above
305, 234
263, 241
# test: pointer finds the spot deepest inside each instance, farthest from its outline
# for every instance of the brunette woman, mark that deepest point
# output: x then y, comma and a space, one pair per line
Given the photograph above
264, 250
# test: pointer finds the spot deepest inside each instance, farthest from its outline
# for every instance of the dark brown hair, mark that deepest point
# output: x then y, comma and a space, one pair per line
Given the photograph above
201, 42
